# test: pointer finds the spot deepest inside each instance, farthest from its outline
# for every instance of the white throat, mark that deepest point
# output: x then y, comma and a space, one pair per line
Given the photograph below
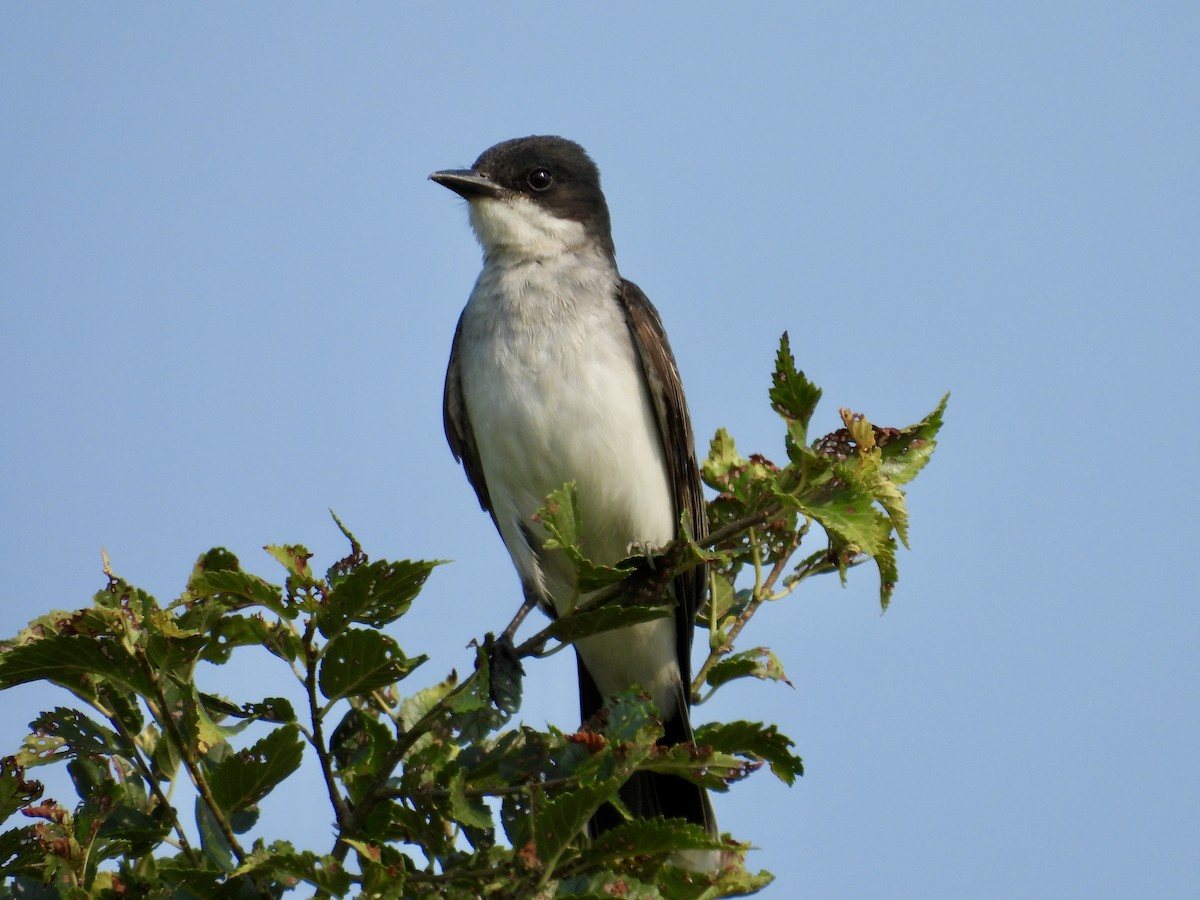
519, 226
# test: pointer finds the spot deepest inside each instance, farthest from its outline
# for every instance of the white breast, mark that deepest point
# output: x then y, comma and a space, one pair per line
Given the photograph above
555, 392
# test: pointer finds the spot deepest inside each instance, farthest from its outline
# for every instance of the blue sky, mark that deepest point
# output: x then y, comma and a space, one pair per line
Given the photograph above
228, 295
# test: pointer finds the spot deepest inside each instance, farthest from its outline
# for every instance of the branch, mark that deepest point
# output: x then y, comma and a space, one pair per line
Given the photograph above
341, 811
147, 774
167, 721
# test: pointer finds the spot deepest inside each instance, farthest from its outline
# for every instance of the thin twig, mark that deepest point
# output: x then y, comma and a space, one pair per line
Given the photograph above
151, 780
167, 721
340, 809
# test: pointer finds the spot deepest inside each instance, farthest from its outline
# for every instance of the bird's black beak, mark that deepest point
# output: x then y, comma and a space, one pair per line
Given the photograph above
467, 184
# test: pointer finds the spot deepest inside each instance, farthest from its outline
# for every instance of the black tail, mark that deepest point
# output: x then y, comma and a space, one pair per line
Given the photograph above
650, 794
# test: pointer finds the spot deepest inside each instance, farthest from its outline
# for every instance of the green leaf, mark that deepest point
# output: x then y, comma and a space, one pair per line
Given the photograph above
467, 810
67, 733
212, 839
294, 558
234, 589
212, 709
680, 884
793, 396
359, 661
281, 863
647, 837
359, 743
21, 854
562, 519
168, 646
558, 821
66, 659
231, 631
603, 885
757, 663
586, 622
906, 451
755, 740
701, 764
15, 790
374, 594
845, 507
632, 717
245, 777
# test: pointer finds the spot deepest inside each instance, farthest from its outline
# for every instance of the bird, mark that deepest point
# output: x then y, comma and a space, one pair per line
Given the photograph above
560, 371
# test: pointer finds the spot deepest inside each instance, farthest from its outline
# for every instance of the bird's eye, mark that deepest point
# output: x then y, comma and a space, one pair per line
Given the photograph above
539, 179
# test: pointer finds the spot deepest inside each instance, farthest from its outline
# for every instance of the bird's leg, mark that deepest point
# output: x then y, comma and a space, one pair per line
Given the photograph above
526, 606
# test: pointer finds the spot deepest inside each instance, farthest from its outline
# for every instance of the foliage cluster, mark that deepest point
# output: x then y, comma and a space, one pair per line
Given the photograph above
437, 791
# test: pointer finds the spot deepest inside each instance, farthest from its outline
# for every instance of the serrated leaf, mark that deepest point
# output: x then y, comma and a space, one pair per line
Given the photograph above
587, 622
473, 714
359, 661
168, 646
65, 733
558, 821
647, 837
885, 560
234, 589
758, 663
63, 659
605, 885
701, 764
681, 884
793, 396
22, 855
845, 507
359, 743
215, 560
756, 740
513, 757
632, 717
212, 839
232, 631
294, 558
563, 521
15, 789
374, 594
470, 811
906, 451
245, 777
283, 864
211, 708
722, 456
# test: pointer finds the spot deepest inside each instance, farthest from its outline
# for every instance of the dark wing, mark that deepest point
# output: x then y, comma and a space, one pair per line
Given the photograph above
458, 427
679, 444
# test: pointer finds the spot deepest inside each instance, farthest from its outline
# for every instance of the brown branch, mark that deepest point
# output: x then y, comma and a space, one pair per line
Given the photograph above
340, 809
189, 763
148, 774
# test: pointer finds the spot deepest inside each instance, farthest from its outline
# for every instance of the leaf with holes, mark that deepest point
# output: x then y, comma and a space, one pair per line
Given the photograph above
758, 663
373, 594
753, 739
66, 733
67, 659
359, 661
245, 777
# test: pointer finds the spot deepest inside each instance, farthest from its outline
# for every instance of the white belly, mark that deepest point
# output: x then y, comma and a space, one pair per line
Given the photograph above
555, 393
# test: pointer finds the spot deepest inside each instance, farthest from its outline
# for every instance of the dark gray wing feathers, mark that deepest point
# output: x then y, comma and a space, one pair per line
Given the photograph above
679, 446
459, 434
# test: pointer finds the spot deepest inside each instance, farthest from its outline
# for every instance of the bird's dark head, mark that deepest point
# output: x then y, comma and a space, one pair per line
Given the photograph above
536, 196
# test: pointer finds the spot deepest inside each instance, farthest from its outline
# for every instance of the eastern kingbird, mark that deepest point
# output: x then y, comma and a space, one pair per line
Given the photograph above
561, 371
